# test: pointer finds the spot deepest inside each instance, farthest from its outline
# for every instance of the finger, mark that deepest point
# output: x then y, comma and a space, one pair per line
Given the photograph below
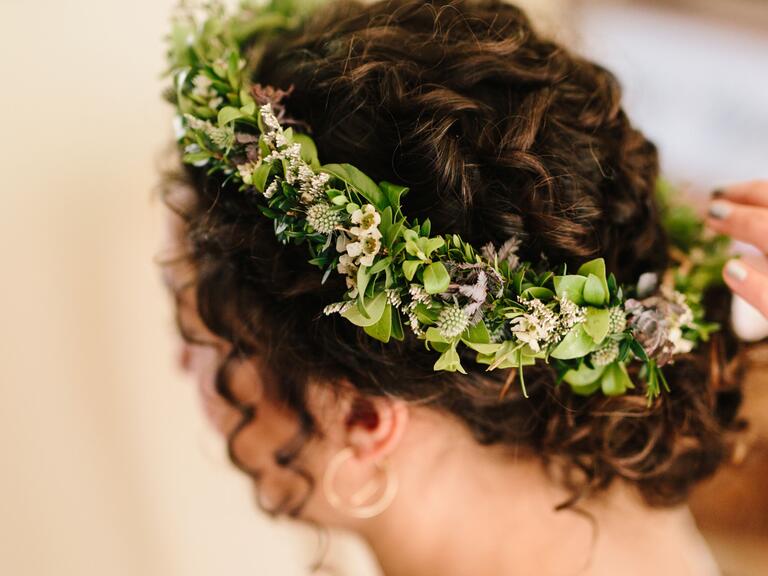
746, 223
749, 283
754, 193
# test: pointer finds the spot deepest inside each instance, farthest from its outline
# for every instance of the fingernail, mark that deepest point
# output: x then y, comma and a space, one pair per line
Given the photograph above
717, 193
719, 210
736, 271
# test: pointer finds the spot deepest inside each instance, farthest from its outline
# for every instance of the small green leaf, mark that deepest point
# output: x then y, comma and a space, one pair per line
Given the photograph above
410, 267
576, 344
359, 181
615, 380
374, 308
598, 323
382, 330
594, 291
436, 278
229, 114
308, 149
584, 375
539, 292
449, 361
260, 176
397, 325
571, 287
394, 192
596, 267
477, 333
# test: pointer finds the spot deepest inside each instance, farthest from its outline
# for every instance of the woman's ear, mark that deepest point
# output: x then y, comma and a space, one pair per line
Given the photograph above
375, 425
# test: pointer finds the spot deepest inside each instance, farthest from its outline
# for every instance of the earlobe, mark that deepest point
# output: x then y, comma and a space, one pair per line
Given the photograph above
375, 425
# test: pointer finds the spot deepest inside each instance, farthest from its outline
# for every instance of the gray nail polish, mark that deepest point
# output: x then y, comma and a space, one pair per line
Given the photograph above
736, 271
719, 210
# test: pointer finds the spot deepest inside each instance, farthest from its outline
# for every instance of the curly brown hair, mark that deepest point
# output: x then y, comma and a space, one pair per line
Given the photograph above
497, 131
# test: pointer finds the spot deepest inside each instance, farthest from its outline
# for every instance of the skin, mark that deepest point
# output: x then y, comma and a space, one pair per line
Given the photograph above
741, 211
460, 509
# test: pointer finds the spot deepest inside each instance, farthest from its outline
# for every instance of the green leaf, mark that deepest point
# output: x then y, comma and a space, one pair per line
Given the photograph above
380, 265
584, 375
571, 287
394, 192
410, 267
229, 114
359, 181
436, 278
576, 344
308, 150
587, 389
596, 267
382, 330
449, 361
397, 325
477, 332
615, 380
260, 176
594, 291
598, 323
539, 292
429, 245
374, 308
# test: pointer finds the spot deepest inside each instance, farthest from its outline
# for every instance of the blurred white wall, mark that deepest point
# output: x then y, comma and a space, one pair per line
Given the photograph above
695, 81
107, 465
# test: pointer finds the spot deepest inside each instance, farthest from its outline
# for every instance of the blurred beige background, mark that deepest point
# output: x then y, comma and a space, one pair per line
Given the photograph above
107, 464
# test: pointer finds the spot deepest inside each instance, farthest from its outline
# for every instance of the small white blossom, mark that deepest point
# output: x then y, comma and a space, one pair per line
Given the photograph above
367, 220
538, 327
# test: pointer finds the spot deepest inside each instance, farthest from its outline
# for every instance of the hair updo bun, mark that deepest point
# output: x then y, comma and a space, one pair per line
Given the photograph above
496, 131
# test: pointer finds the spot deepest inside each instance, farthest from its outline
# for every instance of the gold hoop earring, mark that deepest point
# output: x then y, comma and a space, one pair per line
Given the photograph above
356, 508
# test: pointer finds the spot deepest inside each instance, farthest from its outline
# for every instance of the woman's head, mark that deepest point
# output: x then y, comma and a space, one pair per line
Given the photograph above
496, 131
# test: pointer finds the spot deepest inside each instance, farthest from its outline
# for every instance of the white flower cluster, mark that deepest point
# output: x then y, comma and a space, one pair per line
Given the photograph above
418, 296
541, 326
681, 316
221, 137
297, 172
361, 244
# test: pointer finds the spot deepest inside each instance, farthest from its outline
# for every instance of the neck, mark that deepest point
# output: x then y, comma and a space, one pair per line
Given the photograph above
502, 520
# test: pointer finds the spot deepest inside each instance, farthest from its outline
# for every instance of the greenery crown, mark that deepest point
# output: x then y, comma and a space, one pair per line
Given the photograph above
509, 313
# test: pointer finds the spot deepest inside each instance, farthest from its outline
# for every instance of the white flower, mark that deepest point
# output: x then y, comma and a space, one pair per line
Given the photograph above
367, 218
370, 247
538, 327
246, 171
354, 249
271, 189
346, 265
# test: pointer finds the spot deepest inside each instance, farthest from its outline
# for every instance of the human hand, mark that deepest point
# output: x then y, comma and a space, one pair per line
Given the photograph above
741, 211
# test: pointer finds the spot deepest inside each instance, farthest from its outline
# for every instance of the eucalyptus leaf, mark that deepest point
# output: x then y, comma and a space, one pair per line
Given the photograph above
575, 344
436, 278
594, 291
596, 267
583, 375
449, 361
382, 330
571, 287
374, 308
229, 114
615, 380
410, 267
598, 323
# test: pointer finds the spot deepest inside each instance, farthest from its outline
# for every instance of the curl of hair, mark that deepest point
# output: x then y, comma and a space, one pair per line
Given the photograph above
497, 131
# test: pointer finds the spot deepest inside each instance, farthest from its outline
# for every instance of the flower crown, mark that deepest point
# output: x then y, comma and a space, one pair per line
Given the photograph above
508, 313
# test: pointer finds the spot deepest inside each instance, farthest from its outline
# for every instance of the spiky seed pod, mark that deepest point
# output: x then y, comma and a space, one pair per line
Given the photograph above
453, 320
606, 354
617, 322
323, 218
